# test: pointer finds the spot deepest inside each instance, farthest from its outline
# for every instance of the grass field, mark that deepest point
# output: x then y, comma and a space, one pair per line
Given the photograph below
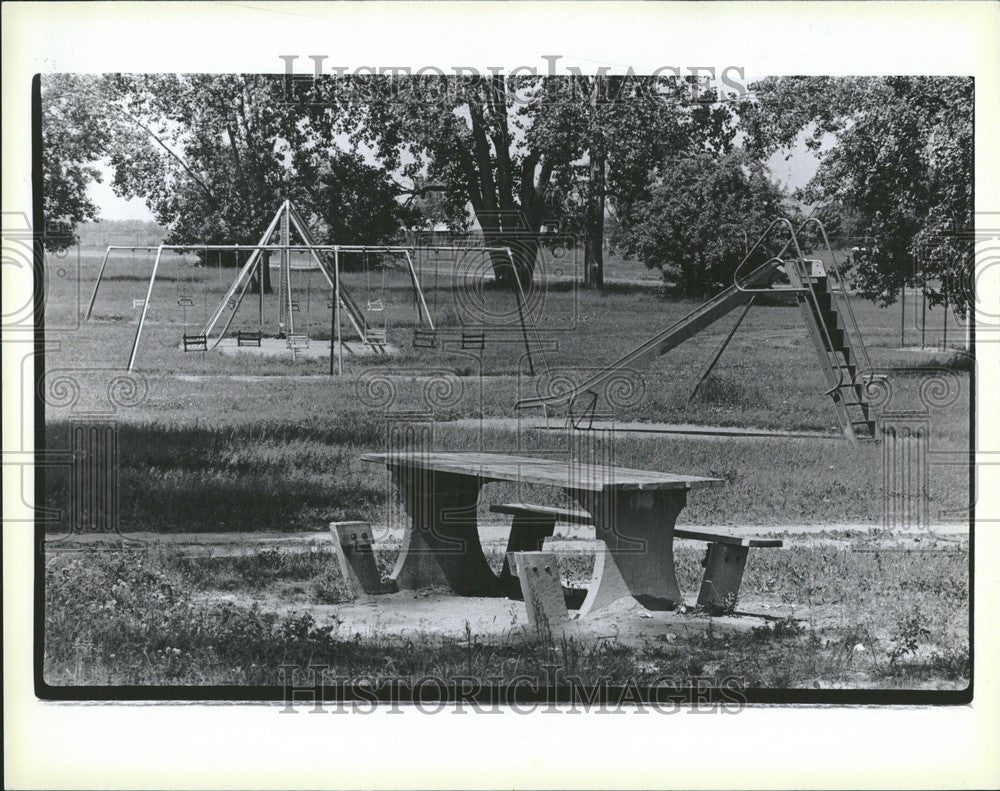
213, 443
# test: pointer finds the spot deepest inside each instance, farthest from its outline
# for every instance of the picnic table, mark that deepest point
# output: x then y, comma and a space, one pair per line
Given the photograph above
633, 512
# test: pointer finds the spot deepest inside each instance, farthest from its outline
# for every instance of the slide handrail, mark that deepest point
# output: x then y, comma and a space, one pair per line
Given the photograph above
857, 339
809, 289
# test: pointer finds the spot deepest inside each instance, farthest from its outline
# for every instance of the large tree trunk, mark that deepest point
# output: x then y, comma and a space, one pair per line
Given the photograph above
489, 177
523, 244
593, 256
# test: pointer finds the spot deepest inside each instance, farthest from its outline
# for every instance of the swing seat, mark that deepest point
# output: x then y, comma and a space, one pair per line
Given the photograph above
375, 305
195, 343
474, 340
424, 339
247, 338
375, 338
296, 343
185, 302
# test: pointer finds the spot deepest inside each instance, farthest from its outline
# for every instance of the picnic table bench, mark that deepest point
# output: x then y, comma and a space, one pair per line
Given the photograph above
633, 512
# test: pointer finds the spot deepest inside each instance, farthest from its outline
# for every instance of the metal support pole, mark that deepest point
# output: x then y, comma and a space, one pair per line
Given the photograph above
418, 293
286, 265
902, 315
923, 312
333, 323
944, 338
97, 285
519, 296
145, 309
722, 348
336, 310
260, 294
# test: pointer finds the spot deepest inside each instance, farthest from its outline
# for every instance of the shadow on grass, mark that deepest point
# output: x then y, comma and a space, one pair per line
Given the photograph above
257, 476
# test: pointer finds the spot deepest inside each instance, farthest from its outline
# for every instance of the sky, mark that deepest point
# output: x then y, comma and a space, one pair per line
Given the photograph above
793, 173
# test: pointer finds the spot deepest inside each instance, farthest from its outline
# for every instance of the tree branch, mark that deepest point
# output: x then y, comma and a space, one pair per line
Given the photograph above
208, 193
419, 192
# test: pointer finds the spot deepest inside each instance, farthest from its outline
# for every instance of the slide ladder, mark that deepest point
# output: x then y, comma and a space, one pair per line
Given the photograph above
839, 345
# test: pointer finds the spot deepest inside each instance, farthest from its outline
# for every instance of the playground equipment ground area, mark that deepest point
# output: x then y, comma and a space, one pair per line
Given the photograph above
316, 349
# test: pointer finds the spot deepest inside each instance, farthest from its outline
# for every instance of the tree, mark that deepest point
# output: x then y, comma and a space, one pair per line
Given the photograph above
214, 155
459, 137
521, 150
74, 139
901, 164
702, 214
610, 124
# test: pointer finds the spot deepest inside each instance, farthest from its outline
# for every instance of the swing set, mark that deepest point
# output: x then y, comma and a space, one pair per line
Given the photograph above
326, 259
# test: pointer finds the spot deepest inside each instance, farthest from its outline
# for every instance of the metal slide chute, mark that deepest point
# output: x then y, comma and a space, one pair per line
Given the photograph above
694, 322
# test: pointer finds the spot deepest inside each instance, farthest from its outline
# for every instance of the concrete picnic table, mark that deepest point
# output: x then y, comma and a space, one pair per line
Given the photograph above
633, 511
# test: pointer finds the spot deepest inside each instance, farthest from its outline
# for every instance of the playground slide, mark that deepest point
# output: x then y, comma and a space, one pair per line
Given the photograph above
701, 317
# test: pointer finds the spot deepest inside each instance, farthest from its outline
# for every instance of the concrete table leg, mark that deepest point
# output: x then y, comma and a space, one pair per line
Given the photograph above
441, 545
526, 535
638, 530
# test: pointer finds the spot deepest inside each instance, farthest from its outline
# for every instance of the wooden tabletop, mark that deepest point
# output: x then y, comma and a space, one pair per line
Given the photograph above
551, 472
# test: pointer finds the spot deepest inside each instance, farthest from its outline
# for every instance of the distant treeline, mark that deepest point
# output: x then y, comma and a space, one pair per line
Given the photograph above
105, 232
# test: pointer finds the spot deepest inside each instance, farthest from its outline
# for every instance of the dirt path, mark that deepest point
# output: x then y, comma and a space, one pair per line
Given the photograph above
567, 537
635, 427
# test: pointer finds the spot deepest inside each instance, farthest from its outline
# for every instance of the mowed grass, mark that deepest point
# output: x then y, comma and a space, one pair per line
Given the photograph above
214, 443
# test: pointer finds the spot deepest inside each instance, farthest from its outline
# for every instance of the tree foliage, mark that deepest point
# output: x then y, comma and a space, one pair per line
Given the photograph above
619, 128
703, 213
522, 150
901, 165
74, 139
214, 156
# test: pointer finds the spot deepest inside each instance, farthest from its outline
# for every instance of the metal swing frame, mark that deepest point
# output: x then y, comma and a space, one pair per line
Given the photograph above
285, 218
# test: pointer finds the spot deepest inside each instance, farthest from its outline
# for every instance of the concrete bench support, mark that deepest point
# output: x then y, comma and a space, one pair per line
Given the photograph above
538, 574
724, 565
352, 543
